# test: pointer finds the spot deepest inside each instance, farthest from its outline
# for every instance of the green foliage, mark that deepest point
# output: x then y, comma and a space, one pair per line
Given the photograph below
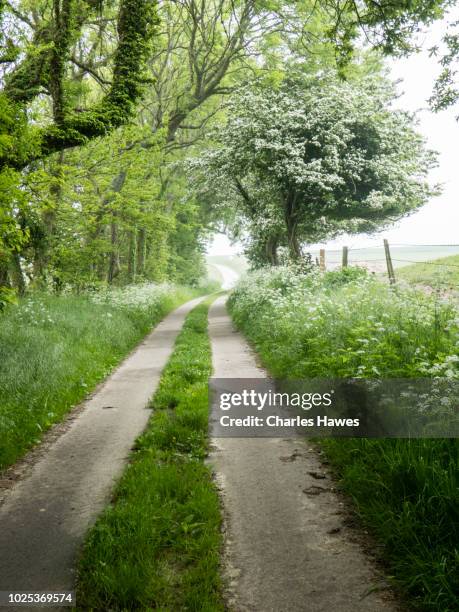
390, 26
15, 136
11, 234
338, 278
53, 351
75, 72
347, 324
137, 21
100, 213
394, 28
158, 544
406, 491
186, 244
40, 112
7, 297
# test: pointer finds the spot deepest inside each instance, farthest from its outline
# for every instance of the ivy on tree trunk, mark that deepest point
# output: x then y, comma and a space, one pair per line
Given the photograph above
44, 70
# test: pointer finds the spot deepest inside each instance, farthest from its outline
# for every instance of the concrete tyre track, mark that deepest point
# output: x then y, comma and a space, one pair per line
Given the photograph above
286, 550
45, 516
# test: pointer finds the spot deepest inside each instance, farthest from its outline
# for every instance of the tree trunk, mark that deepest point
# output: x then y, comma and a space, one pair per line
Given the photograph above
132, 257
136, 25
4, 276
43, 249
141, 250
294, 246
99, 231
113, 260
271, 250
17, 275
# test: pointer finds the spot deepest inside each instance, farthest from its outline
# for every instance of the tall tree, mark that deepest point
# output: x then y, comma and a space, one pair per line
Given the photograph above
314, 158
39, 111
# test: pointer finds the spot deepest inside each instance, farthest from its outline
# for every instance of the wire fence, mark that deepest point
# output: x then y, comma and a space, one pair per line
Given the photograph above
428, 264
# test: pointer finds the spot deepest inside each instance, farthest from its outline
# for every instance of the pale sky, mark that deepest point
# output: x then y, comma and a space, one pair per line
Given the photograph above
438, 221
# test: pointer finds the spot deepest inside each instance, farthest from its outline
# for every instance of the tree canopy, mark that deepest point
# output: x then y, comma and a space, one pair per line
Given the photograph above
40, 66
314, 158
101, 101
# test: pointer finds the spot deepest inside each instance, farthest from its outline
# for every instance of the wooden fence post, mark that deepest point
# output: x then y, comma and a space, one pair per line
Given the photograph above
345, 256
322, 259
390, 267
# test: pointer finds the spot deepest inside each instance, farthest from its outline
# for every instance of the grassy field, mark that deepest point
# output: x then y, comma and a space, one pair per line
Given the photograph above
440, 273
349, 324
54, 350
158, 544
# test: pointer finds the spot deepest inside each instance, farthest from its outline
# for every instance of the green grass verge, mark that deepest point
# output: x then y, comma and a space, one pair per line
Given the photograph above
158, 544
406, 491
440, 273
54, 350
346, 324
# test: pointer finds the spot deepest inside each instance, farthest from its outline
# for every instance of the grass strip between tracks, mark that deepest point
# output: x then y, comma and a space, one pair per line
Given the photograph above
158, 544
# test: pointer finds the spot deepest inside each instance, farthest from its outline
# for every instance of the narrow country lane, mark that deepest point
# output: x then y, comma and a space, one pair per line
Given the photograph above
285, 550
46, 514
229, 276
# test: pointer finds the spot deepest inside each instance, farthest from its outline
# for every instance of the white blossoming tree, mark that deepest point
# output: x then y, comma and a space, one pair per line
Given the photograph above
310, 160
